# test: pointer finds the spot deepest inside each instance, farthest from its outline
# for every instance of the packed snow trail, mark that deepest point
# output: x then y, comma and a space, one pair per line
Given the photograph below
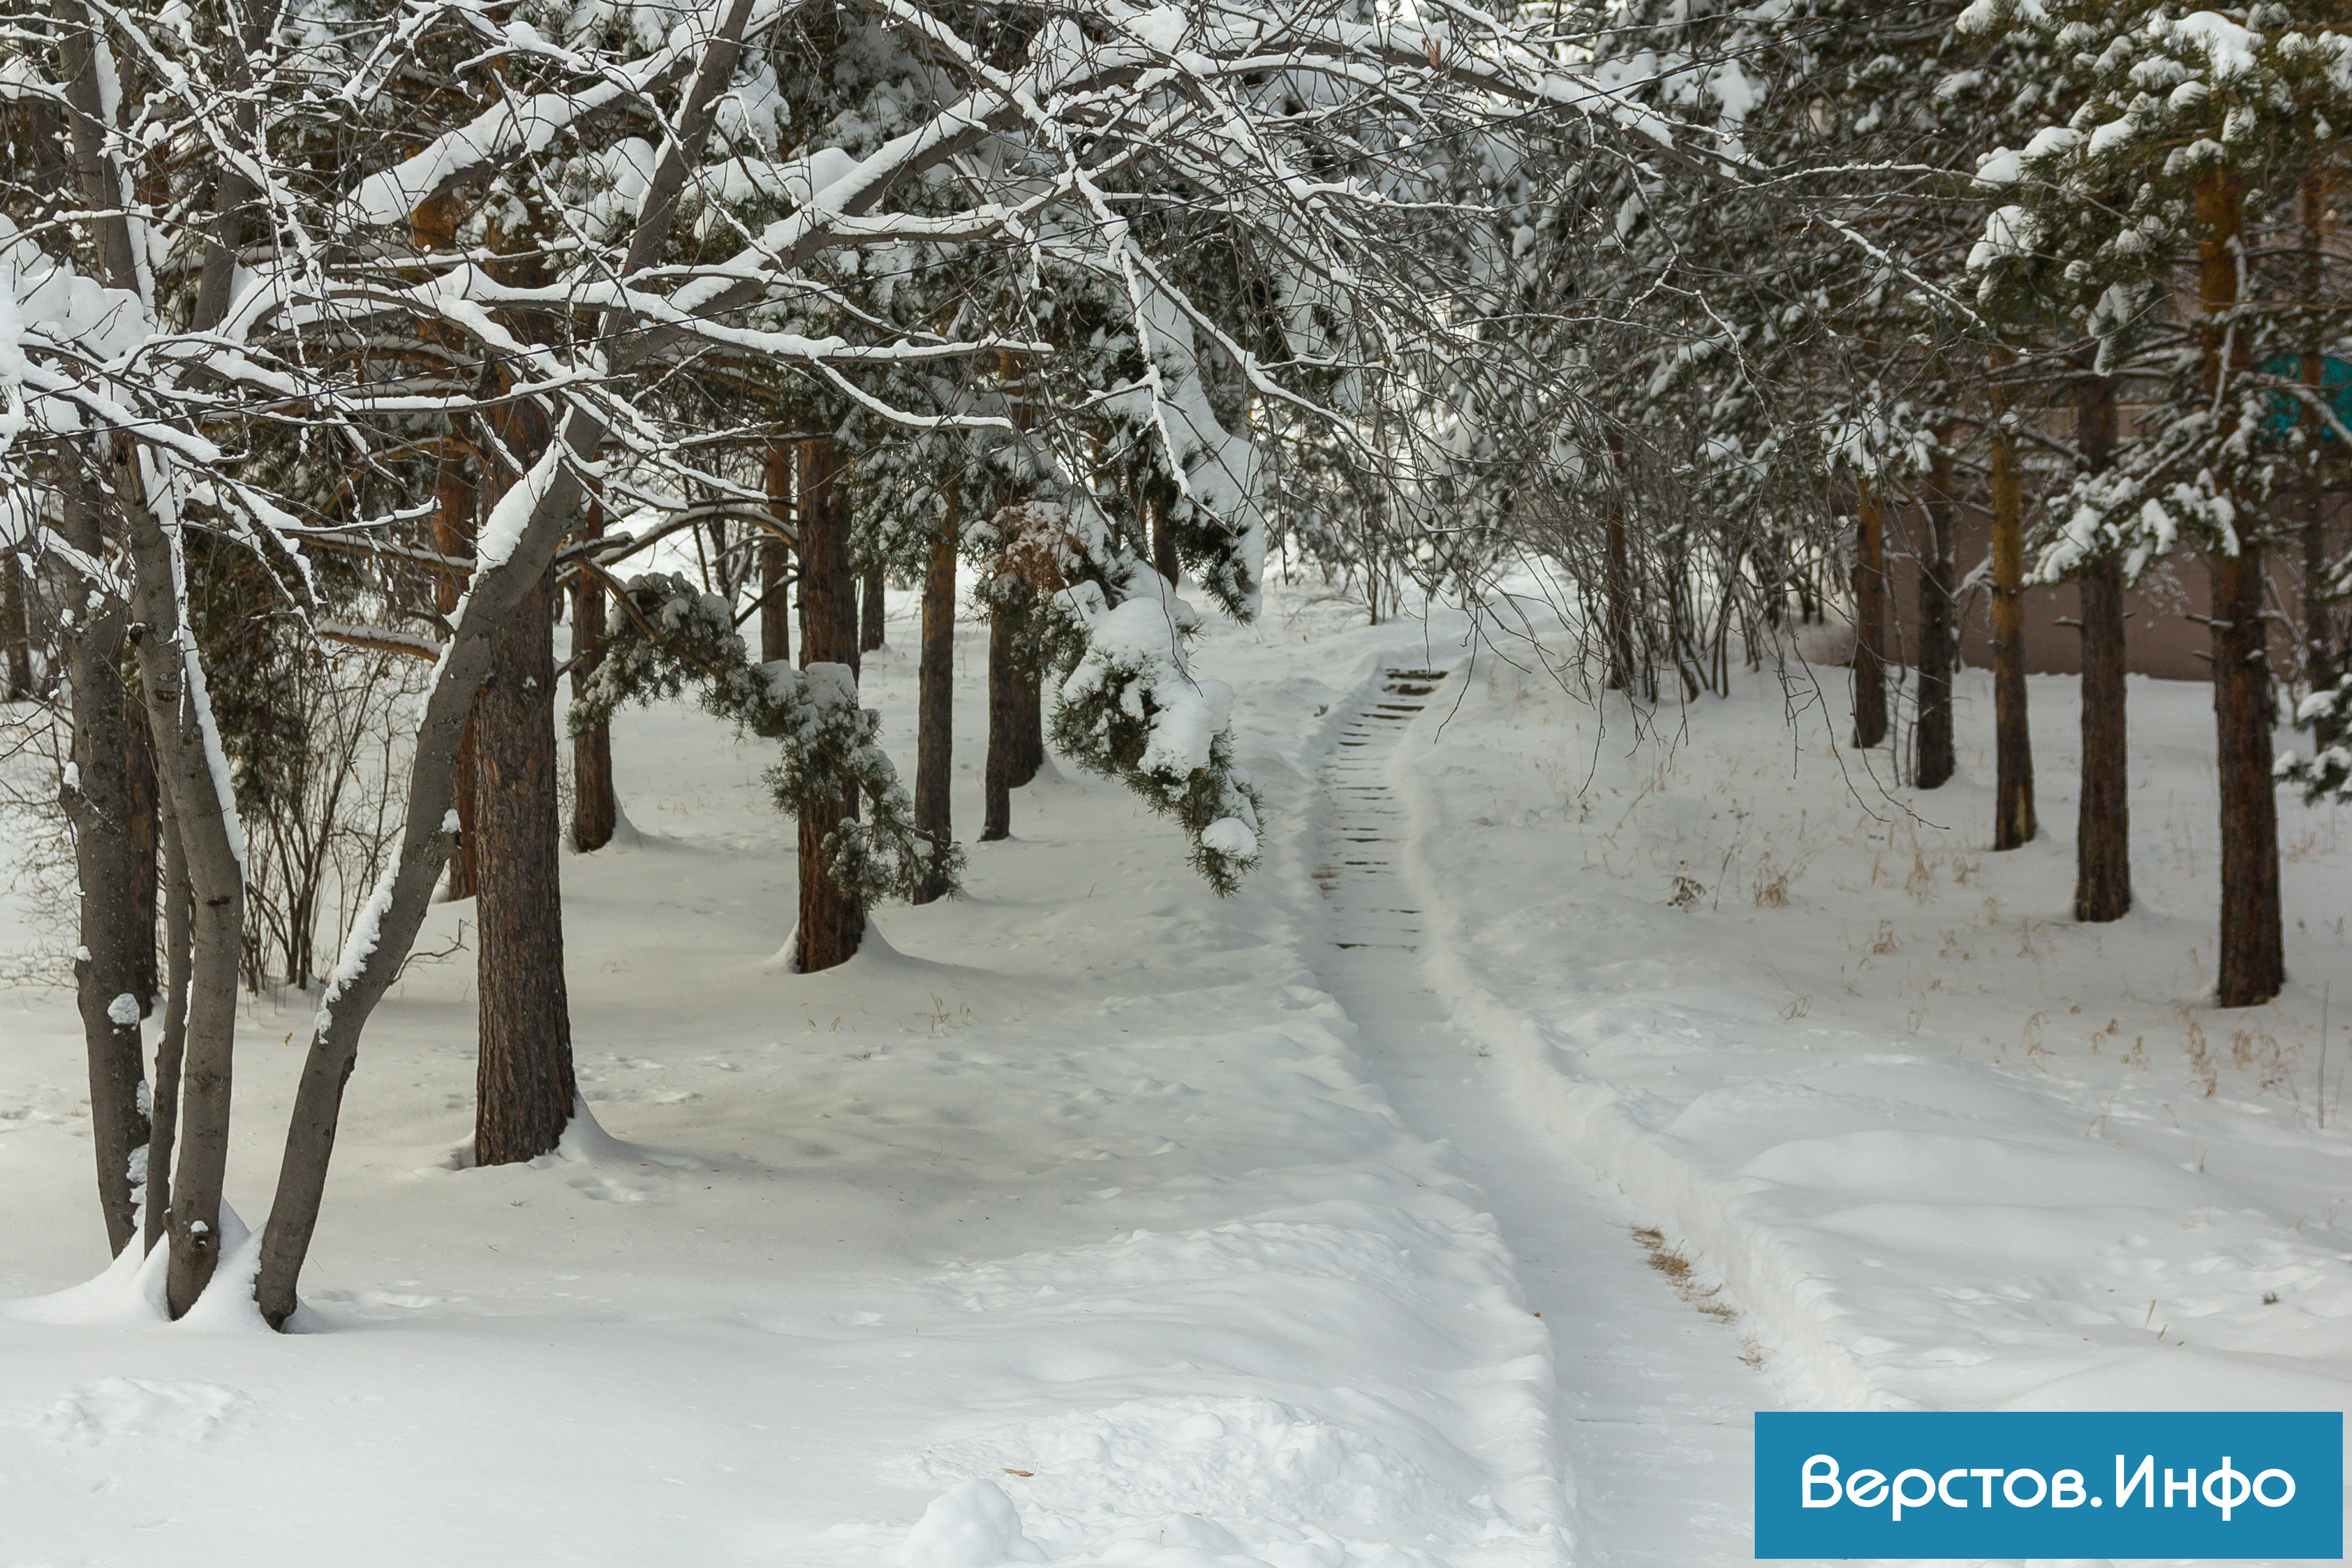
1654, 1402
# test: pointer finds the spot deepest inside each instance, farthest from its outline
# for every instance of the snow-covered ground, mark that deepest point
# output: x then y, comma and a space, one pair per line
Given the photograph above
1944, 1147
1060, 1222
1088, 1218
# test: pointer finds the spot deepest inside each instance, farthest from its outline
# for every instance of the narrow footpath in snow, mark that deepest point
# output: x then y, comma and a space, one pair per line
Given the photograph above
1655, 1402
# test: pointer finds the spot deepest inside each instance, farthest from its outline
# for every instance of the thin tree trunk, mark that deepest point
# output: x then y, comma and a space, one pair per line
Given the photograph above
872, 620
1869, 620
775, 601
1164, 540
205, 817
775, 562
2103, 889
832, 923
2014, 823
454, 498
1025, 757
98, 803
16, 628
146, 848
235, 195
2253, 952
1620, 593
1003, 718
2318, 629
594, 811
169, 1049
935, 706
524, 1085
169, 675
2318, 620
387, 932
1932, 759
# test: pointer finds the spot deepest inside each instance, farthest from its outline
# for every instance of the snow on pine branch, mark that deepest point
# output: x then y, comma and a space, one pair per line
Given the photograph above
1129, 707
673, 638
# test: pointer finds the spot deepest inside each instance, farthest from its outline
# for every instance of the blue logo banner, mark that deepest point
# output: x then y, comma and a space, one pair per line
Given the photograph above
2059, 1484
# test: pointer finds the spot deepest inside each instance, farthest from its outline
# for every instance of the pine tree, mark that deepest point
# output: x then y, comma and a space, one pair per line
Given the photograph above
2184, 134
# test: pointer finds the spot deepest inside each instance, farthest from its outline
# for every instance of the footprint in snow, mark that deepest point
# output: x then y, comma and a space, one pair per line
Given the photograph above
116, 1408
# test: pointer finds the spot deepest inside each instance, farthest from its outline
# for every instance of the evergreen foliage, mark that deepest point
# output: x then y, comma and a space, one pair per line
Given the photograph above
672, 638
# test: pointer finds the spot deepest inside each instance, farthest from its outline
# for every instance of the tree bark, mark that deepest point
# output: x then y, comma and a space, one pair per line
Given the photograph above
1869, 620
829, 628
98, 804
2252, 965
235, 195
2252, 955
871, 617
171, 1047
380, 942
935, 706
454, 498
1025, 756
2014, 824
2318, 620
146, 848
2103, 889
524, 1087
1619, 590
15, 630
196, 795
1164, 540
775, 562
1932, 760
594, 811
1003, 718
832, 923
171, 680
